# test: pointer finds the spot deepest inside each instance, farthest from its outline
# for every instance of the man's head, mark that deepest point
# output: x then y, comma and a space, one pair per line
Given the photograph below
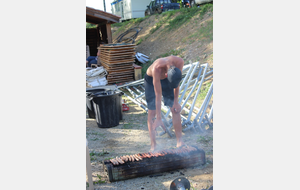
174, 76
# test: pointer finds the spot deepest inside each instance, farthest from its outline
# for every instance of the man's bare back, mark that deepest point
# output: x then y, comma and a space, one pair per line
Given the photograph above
162, 65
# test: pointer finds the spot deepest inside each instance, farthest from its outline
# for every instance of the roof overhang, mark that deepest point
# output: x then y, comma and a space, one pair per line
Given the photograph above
95, 16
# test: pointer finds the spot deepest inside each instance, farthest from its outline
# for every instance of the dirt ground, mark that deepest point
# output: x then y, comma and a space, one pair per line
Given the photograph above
130, 137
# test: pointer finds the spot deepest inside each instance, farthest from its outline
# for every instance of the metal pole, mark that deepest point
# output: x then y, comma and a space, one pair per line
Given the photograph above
201, 118
136, 102
104, 6
205, 99
196, 95
204, 104
210, 116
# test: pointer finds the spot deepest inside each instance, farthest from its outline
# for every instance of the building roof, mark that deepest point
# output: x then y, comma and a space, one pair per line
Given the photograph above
96, 16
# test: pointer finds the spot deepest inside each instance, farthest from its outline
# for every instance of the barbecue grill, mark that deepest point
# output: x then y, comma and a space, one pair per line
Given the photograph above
151, 163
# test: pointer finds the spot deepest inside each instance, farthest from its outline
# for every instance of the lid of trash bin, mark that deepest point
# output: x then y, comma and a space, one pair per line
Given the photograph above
136, 66
104, 93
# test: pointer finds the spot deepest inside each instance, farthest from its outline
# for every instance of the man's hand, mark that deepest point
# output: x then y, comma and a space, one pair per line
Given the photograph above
157, 123
176, 107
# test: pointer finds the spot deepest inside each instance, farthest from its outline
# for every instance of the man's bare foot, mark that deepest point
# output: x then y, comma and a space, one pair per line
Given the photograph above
153, 148
157, 148
180, 144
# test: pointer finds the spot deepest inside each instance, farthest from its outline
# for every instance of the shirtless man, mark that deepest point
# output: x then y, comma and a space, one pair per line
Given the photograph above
162, 78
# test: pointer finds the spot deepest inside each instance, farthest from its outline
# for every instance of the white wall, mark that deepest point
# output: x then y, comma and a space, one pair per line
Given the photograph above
135, 8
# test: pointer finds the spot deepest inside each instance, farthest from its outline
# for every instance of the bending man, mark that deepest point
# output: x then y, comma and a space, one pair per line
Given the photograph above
162, 78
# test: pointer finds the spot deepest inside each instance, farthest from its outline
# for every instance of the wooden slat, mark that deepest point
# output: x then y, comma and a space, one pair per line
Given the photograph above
118, 68
122, 71
118, 45
121, 65
117, 56
116, 48
116, 63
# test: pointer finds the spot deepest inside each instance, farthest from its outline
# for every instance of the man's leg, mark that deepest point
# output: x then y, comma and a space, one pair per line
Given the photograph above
151, 115
178, 128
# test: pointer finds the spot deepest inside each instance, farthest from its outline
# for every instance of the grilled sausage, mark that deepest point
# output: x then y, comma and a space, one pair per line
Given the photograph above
119, 160
114, 162
129, 158
136, 158
132, 158
139, 157
122, 162
124, 158
185, 150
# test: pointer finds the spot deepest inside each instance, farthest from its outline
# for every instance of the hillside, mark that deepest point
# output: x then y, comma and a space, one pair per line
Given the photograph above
187, 33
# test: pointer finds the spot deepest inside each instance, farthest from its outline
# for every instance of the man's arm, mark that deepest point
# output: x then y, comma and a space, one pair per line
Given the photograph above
157, 89
176, 105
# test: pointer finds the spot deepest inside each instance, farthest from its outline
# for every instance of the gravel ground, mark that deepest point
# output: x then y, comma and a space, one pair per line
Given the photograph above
130, 137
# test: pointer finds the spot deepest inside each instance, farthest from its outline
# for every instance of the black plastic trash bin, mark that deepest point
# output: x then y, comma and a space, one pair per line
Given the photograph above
89, 103
108, 108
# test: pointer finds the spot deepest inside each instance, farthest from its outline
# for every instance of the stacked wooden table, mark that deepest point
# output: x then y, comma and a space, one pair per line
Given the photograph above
117, 59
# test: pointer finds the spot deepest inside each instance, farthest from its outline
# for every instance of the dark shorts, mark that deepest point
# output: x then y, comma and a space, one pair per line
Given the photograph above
167, 92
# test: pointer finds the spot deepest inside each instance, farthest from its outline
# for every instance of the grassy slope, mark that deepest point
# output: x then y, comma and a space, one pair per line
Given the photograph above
166, 34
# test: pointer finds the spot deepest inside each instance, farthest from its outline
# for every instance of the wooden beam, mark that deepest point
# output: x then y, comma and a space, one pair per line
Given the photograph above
109, 34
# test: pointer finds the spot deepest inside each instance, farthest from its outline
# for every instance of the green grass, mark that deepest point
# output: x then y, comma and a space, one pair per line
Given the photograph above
166, 18
205, 33
139, 41
96, 133
204, 140
201, 96
175, 52
93, 153
187, 14
128, 24
108, 158
94, 139
127, 126
99, 181
89, 25
172, 22
204, 90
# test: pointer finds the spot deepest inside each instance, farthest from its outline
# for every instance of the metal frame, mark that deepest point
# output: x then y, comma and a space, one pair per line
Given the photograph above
188, 86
